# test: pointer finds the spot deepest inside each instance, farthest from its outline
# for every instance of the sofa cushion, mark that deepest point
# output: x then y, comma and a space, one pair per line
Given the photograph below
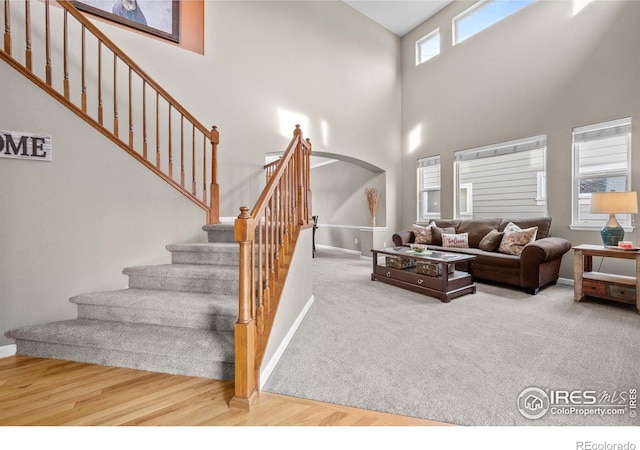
460, 240
515, 239
437, 234
484, 258
423, 235
543, 224
491, 241
477, 229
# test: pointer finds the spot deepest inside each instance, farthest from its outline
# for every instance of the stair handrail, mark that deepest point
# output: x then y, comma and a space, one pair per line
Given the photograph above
267, 237
204, 175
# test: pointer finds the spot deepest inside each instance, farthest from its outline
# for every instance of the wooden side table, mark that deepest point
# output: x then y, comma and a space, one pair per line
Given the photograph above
609, 286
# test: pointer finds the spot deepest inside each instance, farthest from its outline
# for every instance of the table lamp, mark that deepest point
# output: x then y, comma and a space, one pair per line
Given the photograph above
613, 203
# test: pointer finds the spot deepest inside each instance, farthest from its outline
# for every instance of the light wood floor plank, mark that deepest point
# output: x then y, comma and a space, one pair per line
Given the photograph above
45, 392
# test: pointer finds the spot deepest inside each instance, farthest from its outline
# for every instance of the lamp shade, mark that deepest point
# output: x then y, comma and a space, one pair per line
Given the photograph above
614, 203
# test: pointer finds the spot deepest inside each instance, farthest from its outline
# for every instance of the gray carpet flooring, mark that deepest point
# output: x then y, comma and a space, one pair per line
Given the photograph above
371, 345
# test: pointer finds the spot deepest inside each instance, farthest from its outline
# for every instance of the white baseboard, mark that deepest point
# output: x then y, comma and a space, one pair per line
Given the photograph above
565, 281
328, 247
273, 362
8, 350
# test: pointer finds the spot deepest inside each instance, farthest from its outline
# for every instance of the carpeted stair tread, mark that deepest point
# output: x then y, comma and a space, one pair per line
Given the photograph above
133, 338
184, 271
221, 232
229, 247
196, 302
212, 253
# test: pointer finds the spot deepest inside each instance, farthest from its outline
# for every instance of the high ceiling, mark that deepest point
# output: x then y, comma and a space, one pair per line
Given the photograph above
398, 16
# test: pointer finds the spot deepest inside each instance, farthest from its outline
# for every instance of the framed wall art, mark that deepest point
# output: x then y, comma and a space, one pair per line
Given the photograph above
158, 17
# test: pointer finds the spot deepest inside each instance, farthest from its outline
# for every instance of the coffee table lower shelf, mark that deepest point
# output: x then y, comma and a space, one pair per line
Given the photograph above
445, 287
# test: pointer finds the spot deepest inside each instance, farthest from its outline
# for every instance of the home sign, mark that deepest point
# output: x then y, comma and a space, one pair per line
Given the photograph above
19, 145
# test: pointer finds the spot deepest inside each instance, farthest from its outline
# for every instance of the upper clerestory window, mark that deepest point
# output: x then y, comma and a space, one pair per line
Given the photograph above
482, 15
428, 47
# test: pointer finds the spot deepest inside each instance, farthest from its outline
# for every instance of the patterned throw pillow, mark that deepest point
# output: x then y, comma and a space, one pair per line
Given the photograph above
515, 239
424, 235
455, 240
491, 241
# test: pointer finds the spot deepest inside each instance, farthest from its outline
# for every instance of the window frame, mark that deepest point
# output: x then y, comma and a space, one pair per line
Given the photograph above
430, 36
626, 220
471, 10
538, 142
421, 215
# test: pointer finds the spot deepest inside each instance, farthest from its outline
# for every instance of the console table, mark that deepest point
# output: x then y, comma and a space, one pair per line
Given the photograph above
608, 286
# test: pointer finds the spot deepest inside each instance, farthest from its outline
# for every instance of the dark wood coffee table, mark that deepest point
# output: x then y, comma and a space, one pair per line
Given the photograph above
445, 286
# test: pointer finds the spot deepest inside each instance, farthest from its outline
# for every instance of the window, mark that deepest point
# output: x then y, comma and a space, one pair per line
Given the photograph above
429, 188
501, 180
601, 155
482, 15
428, 47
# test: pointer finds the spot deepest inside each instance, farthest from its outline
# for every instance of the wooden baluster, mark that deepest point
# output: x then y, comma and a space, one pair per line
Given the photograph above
182, 151
144, 120
84, 71
28, 56
7, 28
115, 95
100, 106
65, 53
170, 143
193, 159
130, 112
309, 198
246, 381
157, 129
260, 263
205, 200
47, 43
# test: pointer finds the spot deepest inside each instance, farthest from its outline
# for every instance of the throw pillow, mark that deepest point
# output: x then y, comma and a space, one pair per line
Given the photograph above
438, 232
515, 239
491, 241
455, 240
424, 235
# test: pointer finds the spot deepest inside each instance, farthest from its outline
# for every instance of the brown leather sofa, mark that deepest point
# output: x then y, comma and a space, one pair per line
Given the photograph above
538, 265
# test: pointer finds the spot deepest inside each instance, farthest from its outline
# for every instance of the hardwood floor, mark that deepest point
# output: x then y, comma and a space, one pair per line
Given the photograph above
45, 392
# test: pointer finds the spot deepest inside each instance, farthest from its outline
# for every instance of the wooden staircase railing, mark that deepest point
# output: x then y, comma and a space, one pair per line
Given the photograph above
267, 237
77, 64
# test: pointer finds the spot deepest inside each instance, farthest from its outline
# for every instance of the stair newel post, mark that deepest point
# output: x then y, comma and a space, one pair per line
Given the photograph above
245, 328
214, 206
7, 28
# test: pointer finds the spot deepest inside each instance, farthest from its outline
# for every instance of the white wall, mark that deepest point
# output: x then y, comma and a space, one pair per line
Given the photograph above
71, 226
544, 70
270, 65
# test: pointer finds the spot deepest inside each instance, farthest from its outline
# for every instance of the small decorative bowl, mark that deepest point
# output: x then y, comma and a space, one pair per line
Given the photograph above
418, 248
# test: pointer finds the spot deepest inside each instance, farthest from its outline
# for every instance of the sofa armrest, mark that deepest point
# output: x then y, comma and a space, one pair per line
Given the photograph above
403, 238
543, 250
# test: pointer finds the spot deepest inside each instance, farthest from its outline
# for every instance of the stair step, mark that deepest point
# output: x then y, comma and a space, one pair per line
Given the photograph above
171, 308
173, 350
214, 253
221, 232
185, 277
